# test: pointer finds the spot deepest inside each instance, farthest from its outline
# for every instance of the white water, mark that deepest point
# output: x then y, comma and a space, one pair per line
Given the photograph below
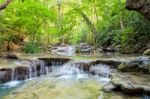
102, 72
69, 70
11, 84
32, 69
74, 70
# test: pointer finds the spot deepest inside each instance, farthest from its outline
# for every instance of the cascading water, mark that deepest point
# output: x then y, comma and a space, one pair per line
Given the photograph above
13, 74
76, 70
53, 66
102, 72
28, 69
69, 70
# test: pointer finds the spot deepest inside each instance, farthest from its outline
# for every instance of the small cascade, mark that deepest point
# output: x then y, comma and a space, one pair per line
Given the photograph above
69, 70
2, 75
5, 74
28, 69
36, 68
13, 75
56, 67
53, 65
102, 72
42, 67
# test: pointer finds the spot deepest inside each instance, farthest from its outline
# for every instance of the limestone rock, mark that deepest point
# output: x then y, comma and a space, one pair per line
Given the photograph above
139, 64
12, 56
131, 83
109, 87
84, 47
147, 52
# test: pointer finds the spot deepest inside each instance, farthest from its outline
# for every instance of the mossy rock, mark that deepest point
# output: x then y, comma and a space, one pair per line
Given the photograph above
139, 64
147, 52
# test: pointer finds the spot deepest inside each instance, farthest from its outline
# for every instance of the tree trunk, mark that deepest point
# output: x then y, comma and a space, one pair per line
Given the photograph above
142, 6
121, 24
89, 23
60, 26
5, 4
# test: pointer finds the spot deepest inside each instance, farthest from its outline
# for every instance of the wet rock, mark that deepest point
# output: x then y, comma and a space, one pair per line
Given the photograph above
147, 52
12, 56
139, 64
54, 61
83, 66
111, 63
5, 74
131, 88
109, 88
134, 84
108, 49
146, 90
21, 73
101, 70
65, 50
83, 48
98, 50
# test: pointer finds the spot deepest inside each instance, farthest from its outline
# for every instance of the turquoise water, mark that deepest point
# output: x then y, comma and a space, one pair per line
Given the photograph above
6, 88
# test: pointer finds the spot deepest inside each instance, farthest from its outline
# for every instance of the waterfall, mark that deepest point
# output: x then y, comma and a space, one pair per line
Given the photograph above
28, 69
69, 70
53, 66
102, 72
13, 74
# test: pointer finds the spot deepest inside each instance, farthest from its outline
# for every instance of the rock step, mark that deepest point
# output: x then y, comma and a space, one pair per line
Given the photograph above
130, 84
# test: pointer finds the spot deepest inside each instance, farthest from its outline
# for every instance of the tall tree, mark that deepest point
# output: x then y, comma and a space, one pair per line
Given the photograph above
5, 4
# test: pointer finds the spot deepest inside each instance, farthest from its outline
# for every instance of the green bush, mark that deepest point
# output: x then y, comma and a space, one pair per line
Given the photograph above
31, 47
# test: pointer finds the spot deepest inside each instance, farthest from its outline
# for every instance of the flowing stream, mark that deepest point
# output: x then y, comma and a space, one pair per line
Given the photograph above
59, 81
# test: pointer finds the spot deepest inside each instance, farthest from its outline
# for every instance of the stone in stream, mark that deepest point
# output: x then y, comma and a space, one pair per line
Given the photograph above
109, 88
83, 48
139, 64
147, 52
111, 63
130, 83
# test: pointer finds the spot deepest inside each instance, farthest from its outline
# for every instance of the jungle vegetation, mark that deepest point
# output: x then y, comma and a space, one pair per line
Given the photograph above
30, 24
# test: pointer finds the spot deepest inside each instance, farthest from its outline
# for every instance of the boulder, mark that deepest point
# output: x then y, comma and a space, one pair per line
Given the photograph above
65, 50
111, 63
83, 48
134, 84
109, 88
139, 64
147, 52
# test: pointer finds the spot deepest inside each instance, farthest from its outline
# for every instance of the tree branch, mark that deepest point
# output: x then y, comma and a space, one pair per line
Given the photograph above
5, 4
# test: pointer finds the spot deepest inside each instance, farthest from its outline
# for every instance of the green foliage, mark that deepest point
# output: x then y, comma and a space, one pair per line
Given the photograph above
31, 47
49, 22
